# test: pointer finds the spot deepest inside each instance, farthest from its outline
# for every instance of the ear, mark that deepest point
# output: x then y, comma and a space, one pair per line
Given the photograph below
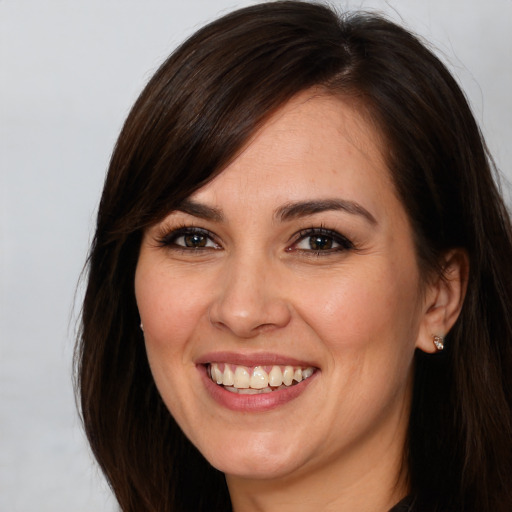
444, 296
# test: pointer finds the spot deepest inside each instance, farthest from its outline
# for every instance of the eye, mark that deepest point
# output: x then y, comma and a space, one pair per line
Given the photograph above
321, 240
189, 238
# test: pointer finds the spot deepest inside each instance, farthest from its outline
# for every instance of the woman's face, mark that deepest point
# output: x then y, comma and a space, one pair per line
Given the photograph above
282, 302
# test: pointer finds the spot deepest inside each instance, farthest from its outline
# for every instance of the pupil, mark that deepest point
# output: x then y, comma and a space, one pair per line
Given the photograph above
195, 240
320, 243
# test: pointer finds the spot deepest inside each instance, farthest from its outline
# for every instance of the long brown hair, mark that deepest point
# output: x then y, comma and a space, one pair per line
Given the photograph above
191, 120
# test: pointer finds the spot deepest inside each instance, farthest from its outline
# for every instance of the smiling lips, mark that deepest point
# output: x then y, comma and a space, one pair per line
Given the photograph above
257, 379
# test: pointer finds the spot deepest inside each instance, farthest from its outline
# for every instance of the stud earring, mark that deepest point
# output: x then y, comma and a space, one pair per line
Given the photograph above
141, 327
439, 343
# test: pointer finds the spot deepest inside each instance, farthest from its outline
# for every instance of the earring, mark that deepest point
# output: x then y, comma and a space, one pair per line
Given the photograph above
439, 343
141, 327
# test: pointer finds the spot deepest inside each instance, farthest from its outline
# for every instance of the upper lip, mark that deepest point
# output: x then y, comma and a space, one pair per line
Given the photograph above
252, 359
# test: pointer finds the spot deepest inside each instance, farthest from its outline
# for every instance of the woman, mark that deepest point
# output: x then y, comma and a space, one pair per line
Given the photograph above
300, 291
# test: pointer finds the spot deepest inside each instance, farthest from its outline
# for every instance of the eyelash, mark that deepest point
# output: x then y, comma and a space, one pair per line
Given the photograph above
344, 244
169, 238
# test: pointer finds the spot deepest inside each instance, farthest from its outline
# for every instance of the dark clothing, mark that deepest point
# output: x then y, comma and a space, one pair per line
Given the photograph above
405, 505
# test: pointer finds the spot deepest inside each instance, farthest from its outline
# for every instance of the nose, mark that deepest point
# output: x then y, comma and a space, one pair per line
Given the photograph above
250, 299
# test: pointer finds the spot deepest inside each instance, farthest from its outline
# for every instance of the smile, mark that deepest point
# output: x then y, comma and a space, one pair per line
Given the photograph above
258, 379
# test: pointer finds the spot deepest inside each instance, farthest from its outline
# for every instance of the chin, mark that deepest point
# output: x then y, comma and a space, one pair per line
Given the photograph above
257, 458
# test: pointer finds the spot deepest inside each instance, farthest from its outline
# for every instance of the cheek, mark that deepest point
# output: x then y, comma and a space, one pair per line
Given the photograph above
170, 313
371, 312
368, 326
170, 307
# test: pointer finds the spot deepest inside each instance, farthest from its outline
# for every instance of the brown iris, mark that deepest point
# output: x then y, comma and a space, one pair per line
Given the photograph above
195, 240
320, 242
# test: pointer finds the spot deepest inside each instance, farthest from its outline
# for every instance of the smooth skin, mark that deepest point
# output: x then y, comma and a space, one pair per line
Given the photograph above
251, 267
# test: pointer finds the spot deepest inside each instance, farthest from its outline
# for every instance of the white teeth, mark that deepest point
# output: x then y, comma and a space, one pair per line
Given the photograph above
229, 377
259, 381
259, 378
307, 372
249, 391
275, 377
288, 376
216, 374
242, 378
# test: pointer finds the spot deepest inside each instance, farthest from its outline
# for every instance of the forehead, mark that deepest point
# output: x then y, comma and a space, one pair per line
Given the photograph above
315, 145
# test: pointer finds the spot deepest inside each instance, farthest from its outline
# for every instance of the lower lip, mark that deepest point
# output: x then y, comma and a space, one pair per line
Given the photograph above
253, 403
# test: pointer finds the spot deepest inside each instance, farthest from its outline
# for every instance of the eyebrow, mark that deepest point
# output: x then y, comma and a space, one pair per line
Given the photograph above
200, 210
305, 208
284, 213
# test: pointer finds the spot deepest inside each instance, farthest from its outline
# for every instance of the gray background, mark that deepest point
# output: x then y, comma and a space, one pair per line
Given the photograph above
69, 72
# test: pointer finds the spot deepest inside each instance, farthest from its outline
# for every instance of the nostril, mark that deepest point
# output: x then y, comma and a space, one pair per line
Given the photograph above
250, 318
245, 328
